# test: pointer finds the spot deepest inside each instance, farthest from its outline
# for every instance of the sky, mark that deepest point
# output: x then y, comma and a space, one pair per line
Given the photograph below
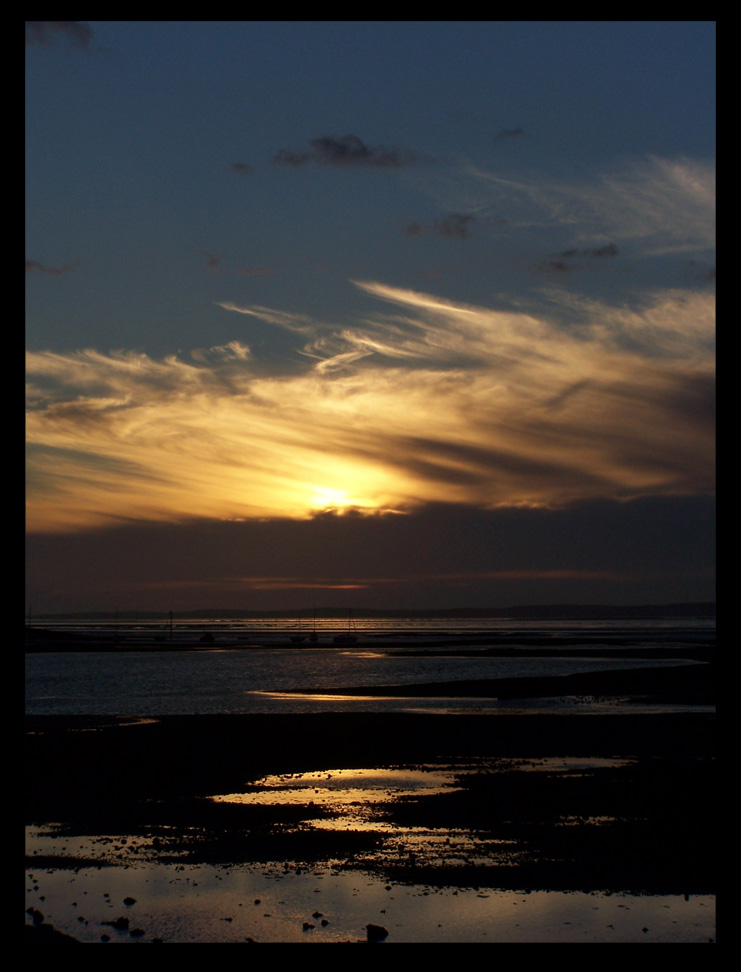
384, 314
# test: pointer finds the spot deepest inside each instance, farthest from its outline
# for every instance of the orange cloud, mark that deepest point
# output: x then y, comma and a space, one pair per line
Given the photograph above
433, 401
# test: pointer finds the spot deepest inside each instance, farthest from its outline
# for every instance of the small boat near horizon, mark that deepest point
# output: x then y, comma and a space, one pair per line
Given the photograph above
314, 637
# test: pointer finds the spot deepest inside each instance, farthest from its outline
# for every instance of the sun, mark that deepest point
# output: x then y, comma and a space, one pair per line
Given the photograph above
342, 486
327, 498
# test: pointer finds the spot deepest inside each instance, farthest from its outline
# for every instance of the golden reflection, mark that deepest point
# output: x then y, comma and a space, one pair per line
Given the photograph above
323, 696
343, 787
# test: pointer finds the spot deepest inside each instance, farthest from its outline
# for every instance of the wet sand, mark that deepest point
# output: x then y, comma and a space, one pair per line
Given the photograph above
604, 804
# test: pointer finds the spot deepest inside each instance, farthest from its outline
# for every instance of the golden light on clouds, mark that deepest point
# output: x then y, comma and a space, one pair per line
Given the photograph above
429, 401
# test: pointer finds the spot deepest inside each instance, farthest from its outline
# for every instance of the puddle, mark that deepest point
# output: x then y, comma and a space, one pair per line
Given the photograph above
355, 797
337, 788
208, 905
79, 883
342, 786
571, 765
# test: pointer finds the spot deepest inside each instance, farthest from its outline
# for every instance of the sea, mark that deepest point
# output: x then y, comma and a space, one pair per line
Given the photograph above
236, 666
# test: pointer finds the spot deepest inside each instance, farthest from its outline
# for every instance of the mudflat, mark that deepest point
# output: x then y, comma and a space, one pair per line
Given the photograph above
654, 795
570, 801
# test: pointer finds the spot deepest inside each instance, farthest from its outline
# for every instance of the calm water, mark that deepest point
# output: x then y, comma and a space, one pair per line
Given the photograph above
228, 630
228, 679
208, 905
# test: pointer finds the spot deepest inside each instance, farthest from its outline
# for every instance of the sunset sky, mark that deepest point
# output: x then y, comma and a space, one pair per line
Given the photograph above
370, 314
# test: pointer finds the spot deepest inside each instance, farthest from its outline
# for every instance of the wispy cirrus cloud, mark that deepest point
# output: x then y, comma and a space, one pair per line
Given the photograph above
345, 150
301, 323
657, 205
428, 401
222, 352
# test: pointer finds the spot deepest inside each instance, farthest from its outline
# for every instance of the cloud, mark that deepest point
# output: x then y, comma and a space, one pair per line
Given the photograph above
441, 554
46, 32
552, 266
509, 133
300, 323
699, 272
453, 226
234, 349
213, 264
430, 401
33, 266
599, 252
658, 206
346, 150
608, 250
559, 262
252, 271
241, 168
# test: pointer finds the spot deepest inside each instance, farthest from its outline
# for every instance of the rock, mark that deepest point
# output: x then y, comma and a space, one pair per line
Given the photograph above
36, 915
120, 924
376, 933
129, 901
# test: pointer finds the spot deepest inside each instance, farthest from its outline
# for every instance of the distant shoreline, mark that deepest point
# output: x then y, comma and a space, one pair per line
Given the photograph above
545, 612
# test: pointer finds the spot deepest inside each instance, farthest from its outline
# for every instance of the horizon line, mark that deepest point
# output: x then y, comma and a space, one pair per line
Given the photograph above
685, 608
